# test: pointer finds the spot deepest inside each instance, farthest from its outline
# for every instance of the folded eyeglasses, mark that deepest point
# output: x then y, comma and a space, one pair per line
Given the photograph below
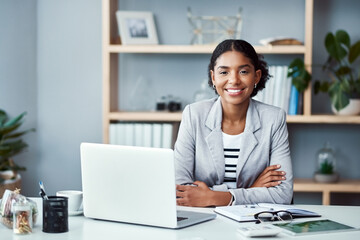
270, 216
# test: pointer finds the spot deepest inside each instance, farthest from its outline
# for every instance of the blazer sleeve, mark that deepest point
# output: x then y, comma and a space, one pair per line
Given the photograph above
184, 152
279, 154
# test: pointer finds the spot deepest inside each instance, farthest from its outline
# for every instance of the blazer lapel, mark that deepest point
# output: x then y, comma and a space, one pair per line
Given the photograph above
249, 140
214, 139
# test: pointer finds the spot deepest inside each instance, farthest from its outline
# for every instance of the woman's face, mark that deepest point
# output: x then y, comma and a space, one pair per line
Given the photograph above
234, 77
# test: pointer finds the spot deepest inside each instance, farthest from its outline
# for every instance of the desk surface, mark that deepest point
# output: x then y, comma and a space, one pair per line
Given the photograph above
219, 228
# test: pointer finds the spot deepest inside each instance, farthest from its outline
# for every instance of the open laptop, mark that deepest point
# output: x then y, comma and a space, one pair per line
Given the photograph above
133, 185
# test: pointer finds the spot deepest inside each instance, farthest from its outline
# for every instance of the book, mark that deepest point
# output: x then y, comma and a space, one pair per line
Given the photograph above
157, 135
167, 135
147, 135
138, 134
245, 213
294, 99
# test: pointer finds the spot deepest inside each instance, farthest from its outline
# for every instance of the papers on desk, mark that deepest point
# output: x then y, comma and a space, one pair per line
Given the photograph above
245, 213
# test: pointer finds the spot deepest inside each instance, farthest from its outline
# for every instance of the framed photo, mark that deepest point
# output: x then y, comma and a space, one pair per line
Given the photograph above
136, 27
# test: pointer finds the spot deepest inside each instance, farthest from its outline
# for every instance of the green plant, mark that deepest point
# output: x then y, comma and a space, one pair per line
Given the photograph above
326, 167
343, 70
300, 77
11, 143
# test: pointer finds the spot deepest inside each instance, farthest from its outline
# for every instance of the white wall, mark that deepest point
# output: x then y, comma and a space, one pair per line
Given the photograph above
18, 82
50, 66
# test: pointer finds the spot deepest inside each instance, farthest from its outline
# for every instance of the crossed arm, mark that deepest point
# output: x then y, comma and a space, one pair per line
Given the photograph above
202, 196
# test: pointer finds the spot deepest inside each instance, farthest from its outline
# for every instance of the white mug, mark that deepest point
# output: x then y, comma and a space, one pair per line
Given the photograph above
75, 199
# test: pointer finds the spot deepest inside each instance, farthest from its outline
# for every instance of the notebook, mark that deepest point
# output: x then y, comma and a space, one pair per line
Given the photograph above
132, 185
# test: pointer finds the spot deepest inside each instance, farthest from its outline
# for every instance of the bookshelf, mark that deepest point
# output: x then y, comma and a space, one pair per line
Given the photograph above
111, 112
112, 48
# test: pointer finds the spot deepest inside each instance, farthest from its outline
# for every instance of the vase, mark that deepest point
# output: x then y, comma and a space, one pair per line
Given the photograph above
353, 108
10, 184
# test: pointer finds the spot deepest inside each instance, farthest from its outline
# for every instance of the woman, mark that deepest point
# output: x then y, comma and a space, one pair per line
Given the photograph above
233, 149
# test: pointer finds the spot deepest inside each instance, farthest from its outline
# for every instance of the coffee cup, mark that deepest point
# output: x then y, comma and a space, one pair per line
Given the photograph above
75, 199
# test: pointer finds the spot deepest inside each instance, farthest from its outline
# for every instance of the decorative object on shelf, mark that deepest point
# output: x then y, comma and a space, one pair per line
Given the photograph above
214, 29
276, 41
142, 95
168, 103
326, 165
10, 145
136, 27
343, 70
204, 93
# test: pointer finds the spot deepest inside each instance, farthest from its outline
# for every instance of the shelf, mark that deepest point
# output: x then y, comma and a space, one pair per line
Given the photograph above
198, 49
328, 119
176, 117
146, 116
344, 186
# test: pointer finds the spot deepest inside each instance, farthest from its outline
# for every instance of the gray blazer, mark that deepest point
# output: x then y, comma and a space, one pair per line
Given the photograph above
199, 151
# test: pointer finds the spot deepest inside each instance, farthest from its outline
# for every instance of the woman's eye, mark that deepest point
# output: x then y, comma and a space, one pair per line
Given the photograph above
223, 73
242, 72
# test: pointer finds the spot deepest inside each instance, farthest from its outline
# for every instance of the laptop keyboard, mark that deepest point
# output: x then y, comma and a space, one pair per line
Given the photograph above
181, 218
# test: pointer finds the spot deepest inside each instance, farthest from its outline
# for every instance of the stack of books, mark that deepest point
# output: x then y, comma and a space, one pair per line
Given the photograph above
280, 92
159, 135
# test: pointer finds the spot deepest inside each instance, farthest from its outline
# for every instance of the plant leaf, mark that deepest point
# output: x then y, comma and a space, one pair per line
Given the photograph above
338, 97
334, 48
3, 117
343, 37
18, 134
6, 130
354, 52
14, 120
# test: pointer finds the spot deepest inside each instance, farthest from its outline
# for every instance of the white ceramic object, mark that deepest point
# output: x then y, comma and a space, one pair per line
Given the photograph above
353, 108
75, 199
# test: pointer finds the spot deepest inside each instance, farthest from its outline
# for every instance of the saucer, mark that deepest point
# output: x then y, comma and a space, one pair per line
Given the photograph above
75, 213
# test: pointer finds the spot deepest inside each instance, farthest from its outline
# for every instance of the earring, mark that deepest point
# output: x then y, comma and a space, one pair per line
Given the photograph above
214, 86
255, 85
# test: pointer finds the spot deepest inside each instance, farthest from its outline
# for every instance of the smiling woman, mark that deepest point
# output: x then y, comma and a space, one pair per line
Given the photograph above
233, 149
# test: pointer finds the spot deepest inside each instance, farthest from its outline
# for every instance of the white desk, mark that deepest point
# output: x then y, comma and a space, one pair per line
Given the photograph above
219, 228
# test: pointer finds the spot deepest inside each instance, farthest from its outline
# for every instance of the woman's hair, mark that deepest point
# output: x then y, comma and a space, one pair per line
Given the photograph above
248, 51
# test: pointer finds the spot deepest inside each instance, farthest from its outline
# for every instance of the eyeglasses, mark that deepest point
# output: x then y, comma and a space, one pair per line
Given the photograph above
268, 216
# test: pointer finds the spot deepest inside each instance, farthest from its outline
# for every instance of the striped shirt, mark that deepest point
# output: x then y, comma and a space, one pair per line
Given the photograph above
231, 154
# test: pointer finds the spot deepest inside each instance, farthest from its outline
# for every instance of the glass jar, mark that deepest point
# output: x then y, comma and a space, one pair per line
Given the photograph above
22, 217
326, 161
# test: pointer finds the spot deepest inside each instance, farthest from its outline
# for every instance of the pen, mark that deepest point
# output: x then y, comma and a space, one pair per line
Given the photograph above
42, 191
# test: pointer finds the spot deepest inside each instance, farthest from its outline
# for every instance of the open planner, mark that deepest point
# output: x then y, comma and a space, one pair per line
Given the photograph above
245, 213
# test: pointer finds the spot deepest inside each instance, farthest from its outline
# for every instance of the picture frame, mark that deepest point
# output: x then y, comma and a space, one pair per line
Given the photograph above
136, 27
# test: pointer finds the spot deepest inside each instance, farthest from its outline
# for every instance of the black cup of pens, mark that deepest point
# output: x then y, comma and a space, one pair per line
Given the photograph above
55, 215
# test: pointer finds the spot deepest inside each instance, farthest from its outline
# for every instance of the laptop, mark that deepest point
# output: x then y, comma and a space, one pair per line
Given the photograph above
132, 185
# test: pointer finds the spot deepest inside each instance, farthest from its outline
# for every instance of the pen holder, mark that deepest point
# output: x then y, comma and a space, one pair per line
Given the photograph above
55, 215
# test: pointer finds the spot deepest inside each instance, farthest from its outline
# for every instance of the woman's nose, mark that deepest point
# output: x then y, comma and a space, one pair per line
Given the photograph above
234, 78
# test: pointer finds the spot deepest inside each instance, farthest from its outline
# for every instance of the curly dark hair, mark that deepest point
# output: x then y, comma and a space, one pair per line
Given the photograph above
248, 50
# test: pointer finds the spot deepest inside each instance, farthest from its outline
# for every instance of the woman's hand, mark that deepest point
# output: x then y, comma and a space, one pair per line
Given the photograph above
195, 195
200, 195
270, 177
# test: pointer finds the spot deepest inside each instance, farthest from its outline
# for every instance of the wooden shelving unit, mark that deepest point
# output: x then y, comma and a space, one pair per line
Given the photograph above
343, 186
111, 111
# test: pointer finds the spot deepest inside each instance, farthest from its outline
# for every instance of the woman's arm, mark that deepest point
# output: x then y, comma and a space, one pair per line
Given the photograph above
200, 195
260, 190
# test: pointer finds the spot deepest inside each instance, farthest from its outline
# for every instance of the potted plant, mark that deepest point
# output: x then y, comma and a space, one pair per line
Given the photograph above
11, 144
343, 84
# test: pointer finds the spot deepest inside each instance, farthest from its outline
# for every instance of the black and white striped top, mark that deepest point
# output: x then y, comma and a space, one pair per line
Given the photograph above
231, 154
